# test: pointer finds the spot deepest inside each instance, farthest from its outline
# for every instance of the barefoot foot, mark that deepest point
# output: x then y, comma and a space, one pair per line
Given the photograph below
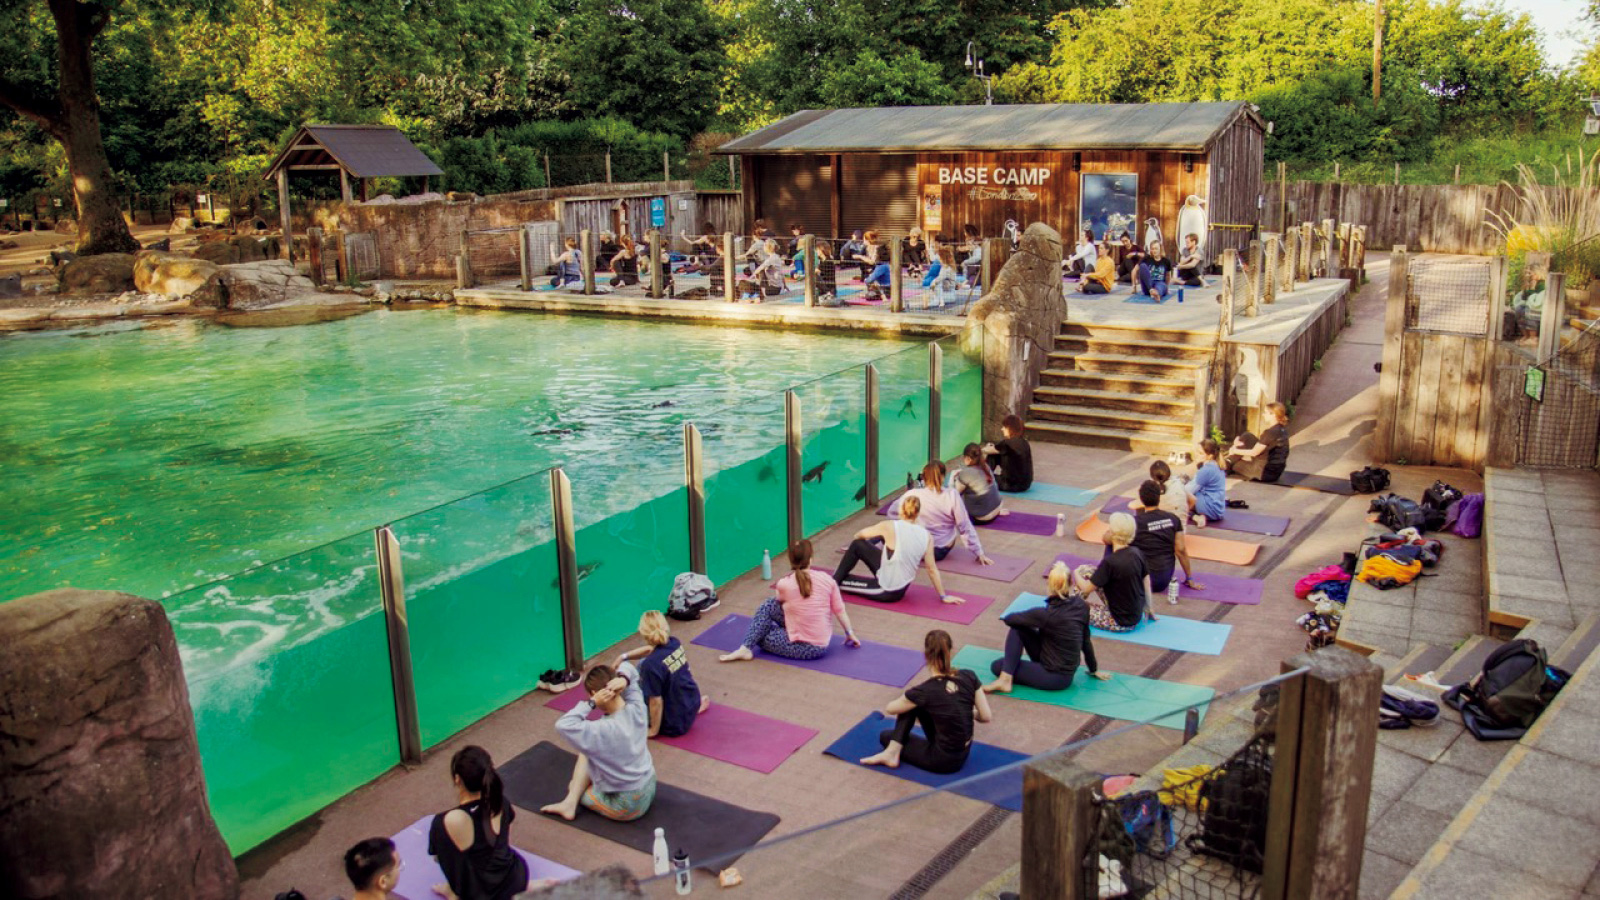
741, 653
560, 809
998, 686
886, 759
705, 703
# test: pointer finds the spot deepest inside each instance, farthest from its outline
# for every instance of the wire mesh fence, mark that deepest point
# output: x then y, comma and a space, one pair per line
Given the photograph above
1558, 420
1448, 295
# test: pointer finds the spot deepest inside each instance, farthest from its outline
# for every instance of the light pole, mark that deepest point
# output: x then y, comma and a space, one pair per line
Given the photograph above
975, 66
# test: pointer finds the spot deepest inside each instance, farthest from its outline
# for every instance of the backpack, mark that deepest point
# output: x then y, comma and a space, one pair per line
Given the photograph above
1148, 821
1396, 513
1369, 480
1436, 503
1465, 517
1233, 827
692, 594
1516, 684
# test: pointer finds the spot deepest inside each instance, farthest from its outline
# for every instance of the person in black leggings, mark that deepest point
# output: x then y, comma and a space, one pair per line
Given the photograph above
945, 706
1052, 637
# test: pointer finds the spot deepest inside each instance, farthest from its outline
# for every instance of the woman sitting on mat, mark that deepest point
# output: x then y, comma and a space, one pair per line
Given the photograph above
1174, 499
1052, 637
1119, 590
1263, 458
614, 774
907, 545
945, 706
794, 623
473, 841
567, 264
670, 691
975, 483
943, 513
1208, 492
1012, 457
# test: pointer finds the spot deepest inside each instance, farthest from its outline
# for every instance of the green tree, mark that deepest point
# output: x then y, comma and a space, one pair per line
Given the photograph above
1330, 116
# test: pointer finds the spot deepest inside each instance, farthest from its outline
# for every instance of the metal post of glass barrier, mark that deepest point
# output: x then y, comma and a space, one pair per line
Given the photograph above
566, 565
872, 435
791, 432
391, 585
935, 377
694, 480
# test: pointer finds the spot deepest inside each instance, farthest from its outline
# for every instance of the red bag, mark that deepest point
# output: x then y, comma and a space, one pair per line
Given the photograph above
1303, 587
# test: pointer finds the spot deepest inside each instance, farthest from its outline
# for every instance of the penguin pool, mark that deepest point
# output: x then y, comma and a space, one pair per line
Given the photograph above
236, 475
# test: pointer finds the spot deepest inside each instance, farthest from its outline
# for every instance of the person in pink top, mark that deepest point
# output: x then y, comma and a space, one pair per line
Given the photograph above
794, 623
944, 514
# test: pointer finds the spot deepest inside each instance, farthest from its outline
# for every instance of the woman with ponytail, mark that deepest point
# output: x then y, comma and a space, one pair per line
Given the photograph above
473, 841
794, 622
945, 706
1052, 638
1208, 492
975, 481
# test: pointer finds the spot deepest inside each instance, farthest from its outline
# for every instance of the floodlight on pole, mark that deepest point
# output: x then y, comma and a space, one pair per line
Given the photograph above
975, 66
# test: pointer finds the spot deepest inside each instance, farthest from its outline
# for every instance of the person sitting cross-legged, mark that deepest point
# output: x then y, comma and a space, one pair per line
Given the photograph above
1044, 644
669, 688
1153, 273
793, 623
891, 550
945, 706
1189, 262
1158, 536
615, 775
1118, 591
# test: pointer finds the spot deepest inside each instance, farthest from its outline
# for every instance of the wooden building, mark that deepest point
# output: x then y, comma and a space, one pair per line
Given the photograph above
942, 167
360, 152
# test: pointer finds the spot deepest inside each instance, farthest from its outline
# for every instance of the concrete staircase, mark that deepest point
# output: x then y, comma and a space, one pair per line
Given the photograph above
1121, 388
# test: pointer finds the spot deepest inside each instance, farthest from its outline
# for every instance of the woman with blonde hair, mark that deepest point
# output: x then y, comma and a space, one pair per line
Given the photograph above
793, 623
944, 706
1052, 637
1118, 591
891, 550
670, 690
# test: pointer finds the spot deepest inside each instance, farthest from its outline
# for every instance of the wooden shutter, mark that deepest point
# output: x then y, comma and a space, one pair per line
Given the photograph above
796, 189
879, 193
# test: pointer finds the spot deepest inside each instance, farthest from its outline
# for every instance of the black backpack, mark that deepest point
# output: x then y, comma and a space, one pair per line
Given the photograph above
1369, 480
1436, 503
1396, 512
1233, 827
1516, 684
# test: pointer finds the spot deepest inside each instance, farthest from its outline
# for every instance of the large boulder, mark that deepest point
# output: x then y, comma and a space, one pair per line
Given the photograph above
1014, 326
103, 273
101, 791
219, 252
261, 284
175, 277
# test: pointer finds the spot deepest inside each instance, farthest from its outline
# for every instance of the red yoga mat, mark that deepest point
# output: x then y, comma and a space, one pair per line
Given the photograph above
725, 733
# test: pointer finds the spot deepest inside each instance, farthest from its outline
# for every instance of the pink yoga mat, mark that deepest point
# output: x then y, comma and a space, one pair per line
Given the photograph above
726, 733
923, 600
1219, 588
1005, 568
421, 873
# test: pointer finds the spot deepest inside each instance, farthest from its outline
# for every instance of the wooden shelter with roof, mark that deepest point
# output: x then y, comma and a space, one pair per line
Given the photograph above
361, 152
1108, 166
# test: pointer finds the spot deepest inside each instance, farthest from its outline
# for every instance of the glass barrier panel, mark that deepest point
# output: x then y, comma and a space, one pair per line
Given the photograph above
902, 417
833, 454
960, 395
744, 468
484, 602
288, 671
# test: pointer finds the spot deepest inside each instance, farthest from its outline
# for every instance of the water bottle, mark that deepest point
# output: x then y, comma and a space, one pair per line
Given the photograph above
1180, 295
766, 565
659, 852
680, 868
1061, 524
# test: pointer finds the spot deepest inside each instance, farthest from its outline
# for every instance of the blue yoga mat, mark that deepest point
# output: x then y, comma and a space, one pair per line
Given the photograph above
1000, 790
1142, 298
874, 662
1058, 493
1168, 632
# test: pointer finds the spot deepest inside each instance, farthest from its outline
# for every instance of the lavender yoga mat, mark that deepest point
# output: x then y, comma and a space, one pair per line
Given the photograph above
874, 662
1005, 568
1218, 588
421, 873
1239, 520
1022, 523
726, 733
922, 600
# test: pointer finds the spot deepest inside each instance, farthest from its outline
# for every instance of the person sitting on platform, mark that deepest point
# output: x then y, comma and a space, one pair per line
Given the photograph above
942, 512
1084, 255
936, 256
614, 774
1209, 489
1104, 275
915, 254
472, 843
1128, 265
875, 254
1158, 536
849, 254
1118, 591
976, 484
625, 263
907, 545
827, 278
608, 249
670, 692
1153, 273
1044, 645
1012, 458
972, 246
1189, 262
942, 277
568, 268
766, 278
1264, 458
704, 250
793, 623
945, 706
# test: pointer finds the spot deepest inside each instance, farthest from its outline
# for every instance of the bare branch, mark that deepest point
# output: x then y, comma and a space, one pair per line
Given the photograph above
44, 113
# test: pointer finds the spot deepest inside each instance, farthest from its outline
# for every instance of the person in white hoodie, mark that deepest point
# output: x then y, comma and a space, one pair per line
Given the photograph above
1084, 255
615, 775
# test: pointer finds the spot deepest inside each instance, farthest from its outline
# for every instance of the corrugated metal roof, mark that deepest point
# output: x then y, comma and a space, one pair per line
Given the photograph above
366, 151
1045, 126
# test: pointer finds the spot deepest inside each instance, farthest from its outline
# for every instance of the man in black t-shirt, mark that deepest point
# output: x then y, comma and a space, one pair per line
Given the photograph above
670, 691
1158, 536
1011, 459
1122, 580
1264, 458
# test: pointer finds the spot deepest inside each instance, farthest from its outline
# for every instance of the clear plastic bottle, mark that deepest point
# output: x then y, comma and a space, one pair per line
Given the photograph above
663, 864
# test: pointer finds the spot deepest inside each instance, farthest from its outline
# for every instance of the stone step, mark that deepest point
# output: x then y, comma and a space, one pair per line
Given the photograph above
1134, 347
1421, 659
1155, 366
1109, 438
1118, 382
1139, 404
1467, 660
1114, 332
1579, 646
1174, 427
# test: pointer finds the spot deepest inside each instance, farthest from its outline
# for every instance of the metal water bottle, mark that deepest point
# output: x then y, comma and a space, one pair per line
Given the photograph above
766, 565
1180, 295
1061, 524
663, 864
680, 868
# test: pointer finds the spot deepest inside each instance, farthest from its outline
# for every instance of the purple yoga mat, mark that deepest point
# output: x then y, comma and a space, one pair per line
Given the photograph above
1022, 523
421, 873
1005, 568
922, 600
1218, 588
874, 662
726, 733
1240, 520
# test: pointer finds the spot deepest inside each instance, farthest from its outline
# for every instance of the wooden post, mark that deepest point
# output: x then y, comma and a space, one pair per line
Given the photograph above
314, 254
990, 268
1553, 316
695, 482
1329, 268
1252, 306
1283, 196
1058, 824
1397, 172
897, 300
1486, 377
1344, 248
283, 214
1394, 326
1202, 389
565, 522
1321, 777
1458, 173
1306, 251
1230, 274
1271, 247
657, 281
586, 259
525, 256
666, 166
608, 165
547, 171
808, 265
1336, 171
733, 173
344, 184
729, 268
1377, 53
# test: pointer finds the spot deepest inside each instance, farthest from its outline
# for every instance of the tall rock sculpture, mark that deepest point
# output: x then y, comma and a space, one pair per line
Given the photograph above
101, 793
1014, 326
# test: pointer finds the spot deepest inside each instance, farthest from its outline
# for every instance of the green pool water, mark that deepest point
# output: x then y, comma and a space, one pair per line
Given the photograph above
158, 460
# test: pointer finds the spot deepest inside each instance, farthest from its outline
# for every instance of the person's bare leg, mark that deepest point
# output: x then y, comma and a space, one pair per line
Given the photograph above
889, 757
1000, 685
568, 807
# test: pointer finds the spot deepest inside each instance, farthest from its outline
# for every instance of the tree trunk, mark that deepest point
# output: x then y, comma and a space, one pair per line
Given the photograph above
101, 228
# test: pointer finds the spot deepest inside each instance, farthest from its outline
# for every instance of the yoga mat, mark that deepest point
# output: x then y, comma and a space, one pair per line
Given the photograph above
1005, 569
725, 733
1240, 520
1168, 632
422, 872
1218, 588
874, 662
703, 826
1323, 483
1222, 550
923, 600
1001, 790
1143, 298
1058, 494
1123, 697
1022, 523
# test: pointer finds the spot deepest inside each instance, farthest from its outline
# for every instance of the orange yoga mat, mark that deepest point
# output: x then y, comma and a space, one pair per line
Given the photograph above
1234, 553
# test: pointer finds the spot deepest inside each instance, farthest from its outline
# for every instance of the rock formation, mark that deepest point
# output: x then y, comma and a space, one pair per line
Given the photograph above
174, 276
101, 793
103, 273
1015, 324
260, 284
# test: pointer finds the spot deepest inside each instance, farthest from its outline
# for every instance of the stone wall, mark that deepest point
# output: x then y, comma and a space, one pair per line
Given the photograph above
1014, 326
421, 240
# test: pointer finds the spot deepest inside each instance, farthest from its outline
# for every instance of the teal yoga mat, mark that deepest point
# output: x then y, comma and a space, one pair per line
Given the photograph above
1059, 494
1168, 632
1123, 697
